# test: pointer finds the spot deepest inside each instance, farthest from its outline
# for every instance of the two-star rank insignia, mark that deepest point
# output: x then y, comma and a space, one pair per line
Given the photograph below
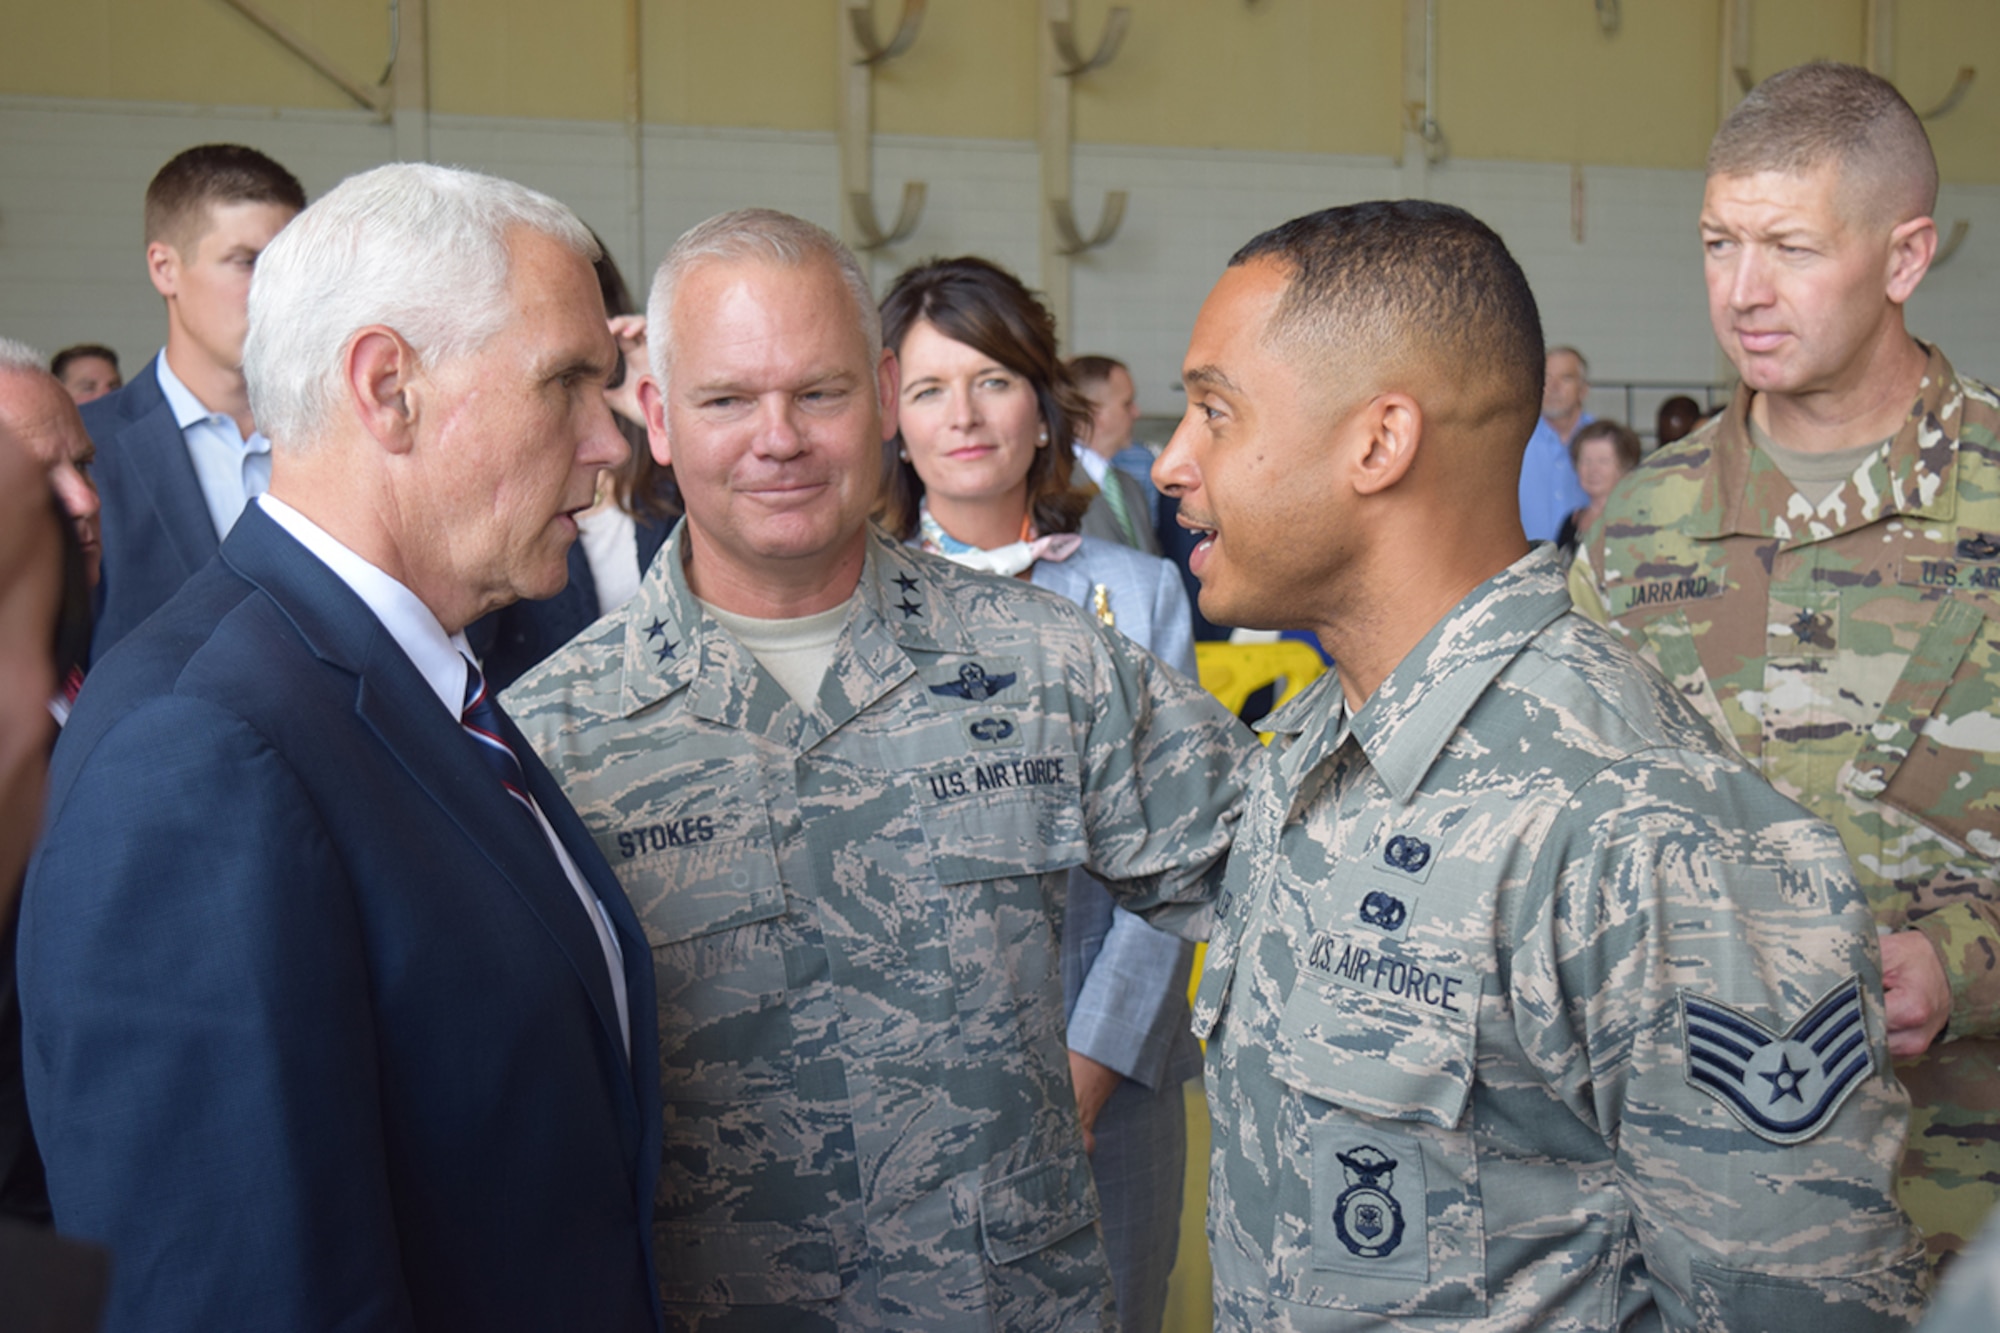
658, 630
973, 683
1783, 1087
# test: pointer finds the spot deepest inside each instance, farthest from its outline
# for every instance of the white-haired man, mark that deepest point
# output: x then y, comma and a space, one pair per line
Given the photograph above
330, 1003
845, 783
39, 411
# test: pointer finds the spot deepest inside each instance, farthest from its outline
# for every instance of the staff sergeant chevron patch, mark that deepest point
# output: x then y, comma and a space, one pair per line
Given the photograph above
1783, 1088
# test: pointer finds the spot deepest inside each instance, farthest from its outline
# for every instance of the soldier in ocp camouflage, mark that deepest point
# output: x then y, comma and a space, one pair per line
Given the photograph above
1850, 649
1529, 1005
855, 915
1853, 654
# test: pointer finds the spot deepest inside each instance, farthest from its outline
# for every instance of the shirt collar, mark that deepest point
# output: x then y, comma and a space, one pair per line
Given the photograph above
1095, 465
671, 643
1745, 493
188, 410
1404, 725
440, 658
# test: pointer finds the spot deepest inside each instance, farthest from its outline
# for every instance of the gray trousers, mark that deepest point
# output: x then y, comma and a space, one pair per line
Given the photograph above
1140, 1164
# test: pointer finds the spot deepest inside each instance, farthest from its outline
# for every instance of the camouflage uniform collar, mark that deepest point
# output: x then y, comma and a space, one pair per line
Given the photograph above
671, 644
1405, 724
1746, 494
663, 630
900, 586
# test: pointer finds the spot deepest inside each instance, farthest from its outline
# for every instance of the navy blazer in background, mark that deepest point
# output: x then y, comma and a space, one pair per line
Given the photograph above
157, 528
318, 1034
515, 639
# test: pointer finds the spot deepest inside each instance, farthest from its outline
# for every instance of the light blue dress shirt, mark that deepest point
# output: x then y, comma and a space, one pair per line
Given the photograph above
232, 470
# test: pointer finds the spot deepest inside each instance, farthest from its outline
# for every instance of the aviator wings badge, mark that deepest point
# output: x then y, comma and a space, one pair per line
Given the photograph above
1783, 1087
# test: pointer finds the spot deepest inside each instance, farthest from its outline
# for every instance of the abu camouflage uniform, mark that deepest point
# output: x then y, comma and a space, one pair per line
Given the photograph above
1530, 1006
1852, 653
855, 913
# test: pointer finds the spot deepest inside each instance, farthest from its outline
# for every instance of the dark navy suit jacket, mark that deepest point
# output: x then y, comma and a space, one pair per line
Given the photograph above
317, 1032
157, 530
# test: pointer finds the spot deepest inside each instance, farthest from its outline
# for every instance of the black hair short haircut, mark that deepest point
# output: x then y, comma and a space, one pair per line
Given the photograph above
60, 361
1407, 275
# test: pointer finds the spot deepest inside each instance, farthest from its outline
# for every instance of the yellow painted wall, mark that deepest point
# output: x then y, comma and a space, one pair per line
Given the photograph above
1519, 79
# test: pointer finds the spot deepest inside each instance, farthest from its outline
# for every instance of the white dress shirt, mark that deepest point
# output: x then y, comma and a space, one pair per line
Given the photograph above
232, 470
442, 661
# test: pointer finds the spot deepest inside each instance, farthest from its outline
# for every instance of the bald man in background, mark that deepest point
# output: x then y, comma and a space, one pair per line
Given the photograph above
42, 415
48, 1283
1819, 571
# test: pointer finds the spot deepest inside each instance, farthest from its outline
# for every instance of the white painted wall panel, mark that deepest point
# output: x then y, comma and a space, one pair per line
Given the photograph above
72, 176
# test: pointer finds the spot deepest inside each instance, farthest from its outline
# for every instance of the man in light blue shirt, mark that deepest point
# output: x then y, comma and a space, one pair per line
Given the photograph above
178, 454
1550, 491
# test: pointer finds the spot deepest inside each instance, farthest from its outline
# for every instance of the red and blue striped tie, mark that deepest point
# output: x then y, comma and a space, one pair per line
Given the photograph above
481, 719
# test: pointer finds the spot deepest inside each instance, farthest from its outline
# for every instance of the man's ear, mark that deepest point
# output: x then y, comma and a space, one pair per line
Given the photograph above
383, 387
1912, 247
1390, 428
653, 403
888, 391
163, 267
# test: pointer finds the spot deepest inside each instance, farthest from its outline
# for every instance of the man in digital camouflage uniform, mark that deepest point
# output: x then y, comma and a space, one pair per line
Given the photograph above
844, 783
1819, 572
1529, 1005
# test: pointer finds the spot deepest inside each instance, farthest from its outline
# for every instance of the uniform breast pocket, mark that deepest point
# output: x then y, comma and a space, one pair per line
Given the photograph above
712, 905
1935, 751
995, 854
1384, 1185
1000, 816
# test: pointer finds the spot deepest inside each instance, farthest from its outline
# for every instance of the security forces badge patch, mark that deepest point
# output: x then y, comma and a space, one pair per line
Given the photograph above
1369, 1209
1784, 1087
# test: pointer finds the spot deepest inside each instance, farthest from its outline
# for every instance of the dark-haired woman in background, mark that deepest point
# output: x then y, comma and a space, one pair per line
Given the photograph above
981, 475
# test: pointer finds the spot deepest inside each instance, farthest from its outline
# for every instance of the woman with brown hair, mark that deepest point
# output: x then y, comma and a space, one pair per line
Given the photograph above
980, 474
1603, 452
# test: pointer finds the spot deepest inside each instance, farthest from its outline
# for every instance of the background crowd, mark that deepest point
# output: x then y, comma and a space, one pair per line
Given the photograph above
573, 816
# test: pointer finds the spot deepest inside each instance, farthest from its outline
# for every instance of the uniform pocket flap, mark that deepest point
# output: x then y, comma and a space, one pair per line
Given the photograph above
1001, 817
1381, 1034
1732, 1298
707, 887
1033, 1209
746, 1263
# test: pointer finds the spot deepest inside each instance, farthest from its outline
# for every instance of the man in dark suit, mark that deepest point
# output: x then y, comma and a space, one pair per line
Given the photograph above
334, 1015
178, 452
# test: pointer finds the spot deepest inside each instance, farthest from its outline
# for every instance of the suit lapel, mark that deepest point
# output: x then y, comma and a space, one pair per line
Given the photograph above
396, 704
157, 453
580, 596
1069, 578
